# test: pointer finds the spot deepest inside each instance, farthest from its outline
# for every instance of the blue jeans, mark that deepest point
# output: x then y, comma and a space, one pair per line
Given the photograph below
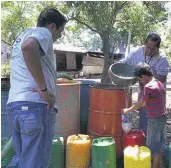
32, 133
143, 123
155, 133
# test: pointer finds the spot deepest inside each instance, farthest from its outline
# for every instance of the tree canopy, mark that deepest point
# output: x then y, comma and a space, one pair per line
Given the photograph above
107, 22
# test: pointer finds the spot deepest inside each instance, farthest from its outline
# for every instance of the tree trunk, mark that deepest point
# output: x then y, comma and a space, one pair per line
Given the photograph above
105, 78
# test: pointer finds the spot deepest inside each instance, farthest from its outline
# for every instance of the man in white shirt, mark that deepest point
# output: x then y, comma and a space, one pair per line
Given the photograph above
32, 97
150, 54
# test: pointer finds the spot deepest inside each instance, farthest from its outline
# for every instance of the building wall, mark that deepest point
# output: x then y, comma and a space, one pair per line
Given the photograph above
68, 61
79, 65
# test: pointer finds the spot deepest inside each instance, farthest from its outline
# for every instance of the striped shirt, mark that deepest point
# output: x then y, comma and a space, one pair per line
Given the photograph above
159, 64
21, 79
154, 98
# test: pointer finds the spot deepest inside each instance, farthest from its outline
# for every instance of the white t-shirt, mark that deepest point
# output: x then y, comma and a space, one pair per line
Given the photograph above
159, 64
21, 79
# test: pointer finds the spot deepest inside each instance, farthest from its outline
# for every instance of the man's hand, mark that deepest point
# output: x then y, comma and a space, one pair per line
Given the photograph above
47, 97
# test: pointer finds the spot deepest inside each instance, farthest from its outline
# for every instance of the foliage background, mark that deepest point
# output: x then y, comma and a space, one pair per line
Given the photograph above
95, 25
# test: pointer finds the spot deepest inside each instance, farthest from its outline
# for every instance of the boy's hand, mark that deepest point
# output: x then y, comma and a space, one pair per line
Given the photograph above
125, 110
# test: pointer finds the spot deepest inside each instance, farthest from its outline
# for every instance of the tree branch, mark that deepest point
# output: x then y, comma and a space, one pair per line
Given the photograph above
83, 23
123, 5
116, 10
20, 13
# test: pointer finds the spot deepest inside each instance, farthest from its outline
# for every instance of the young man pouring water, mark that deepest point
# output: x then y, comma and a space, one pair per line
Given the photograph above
149, 53
153, 98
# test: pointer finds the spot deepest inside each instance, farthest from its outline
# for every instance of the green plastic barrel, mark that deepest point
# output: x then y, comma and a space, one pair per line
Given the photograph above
170, 155
10, 154
103, 153
57, 153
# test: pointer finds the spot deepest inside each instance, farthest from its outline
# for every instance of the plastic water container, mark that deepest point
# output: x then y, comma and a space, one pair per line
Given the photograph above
137, 157
126, 122
134, 137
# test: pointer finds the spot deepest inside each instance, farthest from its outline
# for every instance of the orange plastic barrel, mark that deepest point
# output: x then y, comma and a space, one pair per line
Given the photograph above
106, 102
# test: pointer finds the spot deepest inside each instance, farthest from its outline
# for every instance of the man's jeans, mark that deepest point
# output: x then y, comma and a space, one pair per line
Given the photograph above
32, 133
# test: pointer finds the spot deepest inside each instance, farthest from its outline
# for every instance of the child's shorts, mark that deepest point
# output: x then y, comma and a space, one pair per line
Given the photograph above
155, 133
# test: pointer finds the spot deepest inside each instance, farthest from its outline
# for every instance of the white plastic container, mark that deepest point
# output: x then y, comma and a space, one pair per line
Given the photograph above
126, 127
126, 122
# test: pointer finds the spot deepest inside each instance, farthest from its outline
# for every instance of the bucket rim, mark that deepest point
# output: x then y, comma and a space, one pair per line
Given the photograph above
125, 78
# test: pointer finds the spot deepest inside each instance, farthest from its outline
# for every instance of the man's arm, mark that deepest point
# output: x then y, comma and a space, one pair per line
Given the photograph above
134, 107
127, 59
162, 69
31, 54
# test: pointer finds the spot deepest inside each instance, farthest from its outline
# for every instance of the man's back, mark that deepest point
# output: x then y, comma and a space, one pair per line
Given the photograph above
21, 79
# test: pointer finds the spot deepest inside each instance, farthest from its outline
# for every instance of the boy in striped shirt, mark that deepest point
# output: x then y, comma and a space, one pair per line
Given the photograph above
154, 99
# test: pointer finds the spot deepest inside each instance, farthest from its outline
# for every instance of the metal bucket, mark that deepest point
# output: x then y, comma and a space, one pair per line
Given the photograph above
122, 74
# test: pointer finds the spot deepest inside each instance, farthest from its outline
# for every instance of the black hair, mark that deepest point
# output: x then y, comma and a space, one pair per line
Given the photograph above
51, 15
153, 36
142, 69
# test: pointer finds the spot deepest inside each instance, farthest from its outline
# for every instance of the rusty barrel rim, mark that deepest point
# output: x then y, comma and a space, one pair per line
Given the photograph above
69, 84
107, 86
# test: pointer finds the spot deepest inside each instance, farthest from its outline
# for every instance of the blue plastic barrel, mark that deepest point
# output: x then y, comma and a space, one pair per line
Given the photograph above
84, 103
5, 124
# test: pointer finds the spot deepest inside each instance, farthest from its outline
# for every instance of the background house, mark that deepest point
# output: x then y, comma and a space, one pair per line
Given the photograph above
77, 62
68, 57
